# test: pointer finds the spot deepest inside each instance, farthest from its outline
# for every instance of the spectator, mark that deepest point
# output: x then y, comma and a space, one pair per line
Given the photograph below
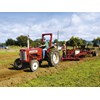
64, 50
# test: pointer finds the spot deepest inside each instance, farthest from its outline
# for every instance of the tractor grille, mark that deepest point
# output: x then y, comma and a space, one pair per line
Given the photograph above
23, 55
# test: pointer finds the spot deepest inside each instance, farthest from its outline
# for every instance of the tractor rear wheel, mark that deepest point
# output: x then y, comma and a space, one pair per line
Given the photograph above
18, 64
54, 58
34, 64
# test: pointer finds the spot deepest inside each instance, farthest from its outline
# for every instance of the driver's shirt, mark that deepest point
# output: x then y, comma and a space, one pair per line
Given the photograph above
46, 44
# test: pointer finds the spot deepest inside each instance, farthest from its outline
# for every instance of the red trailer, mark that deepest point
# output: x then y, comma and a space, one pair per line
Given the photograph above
77, 54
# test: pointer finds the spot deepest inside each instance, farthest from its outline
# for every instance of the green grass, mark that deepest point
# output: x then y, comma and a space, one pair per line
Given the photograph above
83, 73
12, 50
8, 56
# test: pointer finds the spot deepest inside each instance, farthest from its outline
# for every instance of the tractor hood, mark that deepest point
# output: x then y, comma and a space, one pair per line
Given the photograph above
32, 53
34, 50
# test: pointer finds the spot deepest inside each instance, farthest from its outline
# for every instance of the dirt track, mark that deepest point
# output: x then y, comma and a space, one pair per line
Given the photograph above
10, 77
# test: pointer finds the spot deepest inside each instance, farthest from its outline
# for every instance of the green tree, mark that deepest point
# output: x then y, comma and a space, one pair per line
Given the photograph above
82, 42
85, 42
2, 44
10, 42
22, 40
76, 42
37, 42
61, 43
96, 42
55, 41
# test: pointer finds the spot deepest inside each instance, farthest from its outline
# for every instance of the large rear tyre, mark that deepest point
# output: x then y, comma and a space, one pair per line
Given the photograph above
54, 58
18, 64
34, 64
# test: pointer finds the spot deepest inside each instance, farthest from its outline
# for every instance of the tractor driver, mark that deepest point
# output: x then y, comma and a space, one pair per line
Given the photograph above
45, 45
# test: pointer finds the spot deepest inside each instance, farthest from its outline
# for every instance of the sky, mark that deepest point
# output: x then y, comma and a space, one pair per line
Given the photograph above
79, 24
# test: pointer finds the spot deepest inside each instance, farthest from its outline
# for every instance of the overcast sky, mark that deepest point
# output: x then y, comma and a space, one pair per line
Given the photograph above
83, 25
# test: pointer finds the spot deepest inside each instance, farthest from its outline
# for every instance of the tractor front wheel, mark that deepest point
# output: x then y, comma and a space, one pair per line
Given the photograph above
18, 64
34, 64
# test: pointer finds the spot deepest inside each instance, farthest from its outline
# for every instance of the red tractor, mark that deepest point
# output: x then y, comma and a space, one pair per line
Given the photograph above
34, 56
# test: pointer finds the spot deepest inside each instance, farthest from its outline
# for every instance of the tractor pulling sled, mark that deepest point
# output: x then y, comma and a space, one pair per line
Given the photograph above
77, 53
34, 56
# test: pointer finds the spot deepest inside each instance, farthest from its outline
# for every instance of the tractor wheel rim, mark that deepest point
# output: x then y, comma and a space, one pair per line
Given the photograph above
55, 58
34, 66
18, 65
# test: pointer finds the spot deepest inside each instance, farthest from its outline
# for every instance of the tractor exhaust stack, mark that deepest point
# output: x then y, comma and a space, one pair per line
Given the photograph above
28, 41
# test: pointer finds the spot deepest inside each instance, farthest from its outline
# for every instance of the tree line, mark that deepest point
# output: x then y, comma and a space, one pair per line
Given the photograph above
73, 41
22, 41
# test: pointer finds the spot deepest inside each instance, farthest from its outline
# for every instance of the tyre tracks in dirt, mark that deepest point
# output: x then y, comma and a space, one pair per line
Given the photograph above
10, 77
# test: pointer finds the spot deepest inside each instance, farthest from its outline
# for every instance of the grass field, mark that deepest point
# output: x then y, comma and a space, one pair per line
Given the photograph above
68, 73
8, 56
80, 74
